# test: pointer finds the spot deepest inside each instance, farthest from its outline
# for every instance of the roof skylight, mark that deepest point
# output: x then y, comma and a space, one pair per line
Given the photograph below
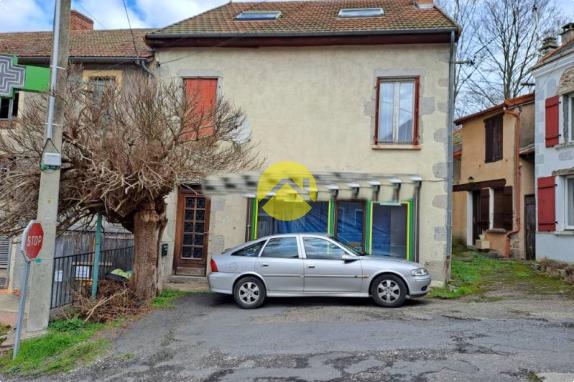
361, 12
258, 15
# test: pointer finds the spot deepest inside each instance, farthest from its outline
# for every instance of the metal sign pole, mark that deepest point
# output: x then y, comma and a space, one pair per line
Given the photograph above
97, 256
21, 305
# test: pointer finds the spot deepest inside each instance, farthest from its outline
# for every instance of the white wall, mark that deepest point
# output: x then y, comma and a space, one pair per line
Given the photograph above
558, 245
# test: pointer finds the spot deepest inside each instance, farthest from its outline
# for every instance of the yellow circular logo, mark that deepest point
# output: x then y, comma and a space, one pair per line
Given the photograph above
287, 188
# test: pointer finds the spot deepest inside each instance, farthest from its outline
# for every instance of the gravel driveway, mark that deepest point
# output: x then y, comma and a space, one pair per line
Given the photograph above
207, 338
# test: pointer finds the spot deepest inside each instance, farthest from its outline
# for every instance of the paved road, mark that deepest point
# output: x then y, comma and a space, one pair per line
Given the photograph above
207, 338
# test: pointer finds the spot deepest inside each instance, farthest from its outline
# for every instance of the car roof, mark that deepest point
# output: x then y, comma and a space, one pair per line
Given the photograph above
322, 234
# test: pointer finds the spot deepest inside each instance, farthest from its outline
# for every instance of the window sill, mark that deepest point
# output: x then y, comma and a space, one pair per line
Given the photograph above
564, 233
496, 230
5, 123
395, 146
564, 145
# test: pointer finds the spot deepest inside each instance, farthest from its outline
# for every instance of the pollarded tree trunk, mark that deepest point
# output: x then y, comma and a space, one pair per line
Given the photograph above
148, 226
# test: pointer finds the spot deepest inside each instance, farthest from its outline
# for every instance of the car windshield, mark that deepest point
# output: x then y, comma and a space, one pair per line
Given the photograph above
347, 245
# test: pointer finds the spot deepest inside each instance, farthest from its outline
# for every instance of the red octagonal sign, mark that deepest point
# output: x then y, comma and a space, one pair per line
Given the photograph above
32, 240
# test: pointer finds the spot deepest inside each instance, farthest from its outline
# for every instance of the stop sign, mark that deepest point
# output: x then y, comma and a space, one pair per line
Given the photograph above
32, 240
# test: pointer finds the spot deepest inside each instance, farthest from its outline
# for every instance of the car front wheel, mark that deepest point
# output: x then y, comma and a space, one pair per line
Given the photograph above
249, 293
389, 291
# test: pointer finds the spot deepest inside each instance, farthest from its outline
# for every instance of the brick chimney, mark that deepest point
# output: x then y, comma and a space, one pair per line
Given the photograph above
567, 34
548, 45
424, 4
79, 22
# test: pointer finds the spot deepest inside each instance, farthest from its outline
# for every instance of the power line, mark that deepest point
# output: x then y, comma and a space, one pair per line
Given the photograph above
130, 26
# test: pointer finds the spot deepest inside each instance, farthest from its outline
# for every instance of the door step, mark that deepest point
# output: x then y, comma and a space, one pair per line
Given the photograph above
187, 283
185, 271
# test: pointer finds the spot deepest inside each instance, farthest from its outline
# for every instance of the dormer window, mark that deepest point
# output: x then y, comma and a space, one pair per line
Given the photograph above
361, 12
258, 15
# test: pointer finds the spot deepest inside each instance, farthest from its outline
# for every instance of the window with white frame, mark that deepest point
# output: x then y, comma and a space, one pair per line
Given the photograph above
570, 202
397, 111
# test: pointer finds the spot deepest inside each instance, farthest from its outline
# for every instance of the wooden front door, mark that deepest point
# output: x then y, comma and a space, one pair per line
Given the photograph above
190, 256
530, 227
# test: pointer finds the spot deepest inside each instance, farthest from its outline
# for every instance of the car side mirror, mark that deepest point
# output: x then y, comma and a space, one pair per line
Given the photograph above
347, 258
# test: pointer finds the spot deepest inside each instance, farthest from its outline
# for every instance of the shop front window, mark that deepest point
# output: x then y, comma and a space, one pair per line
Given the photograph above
315, 221
350, 223
390, 231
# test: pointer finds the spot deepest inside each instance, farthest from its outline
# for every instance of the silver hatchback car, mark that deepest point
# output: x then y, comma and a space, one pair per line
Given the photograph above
296, 265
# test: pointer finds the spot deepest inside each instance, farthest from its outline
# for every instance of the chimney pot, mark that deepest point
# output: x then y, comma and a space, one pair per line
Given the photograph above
567, 34
79, 22
548, 45
424, 4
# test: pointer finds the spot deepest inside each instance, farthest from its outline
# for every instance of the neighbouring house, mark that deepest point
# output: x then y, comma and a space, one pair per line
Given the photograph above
554, 148
493, 198
339, 86
105, 56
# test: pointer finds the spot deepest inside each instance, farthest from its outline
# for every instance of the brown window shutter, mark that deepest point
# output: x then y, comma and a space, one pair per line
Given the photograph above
488, 141
493, 139
485, 208
497, 136
503, 210
546, 204
552, 129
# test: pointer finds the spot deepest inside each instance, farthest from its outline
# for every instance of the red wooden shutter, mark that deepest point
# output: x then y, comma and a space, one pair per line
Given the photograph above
203, 94
546, 204
552, 130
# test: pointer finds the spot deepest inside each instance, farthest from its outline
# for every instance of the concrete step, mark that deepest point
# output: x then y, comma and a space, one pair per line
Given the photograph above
186, 271
187, 283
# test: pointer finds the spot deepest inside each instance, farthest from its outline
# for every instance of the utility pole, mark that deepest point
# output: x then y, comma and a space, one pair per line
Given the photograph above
40, 290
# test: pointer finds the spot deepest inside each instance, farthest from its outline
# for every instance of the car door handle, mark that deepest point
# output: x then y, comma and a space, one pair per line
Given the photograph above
310, 266
264, 265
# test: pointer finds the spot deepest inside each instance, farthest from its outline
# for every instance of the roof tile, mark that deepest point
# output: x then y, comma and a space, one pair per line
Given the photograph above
84, 43
304, 17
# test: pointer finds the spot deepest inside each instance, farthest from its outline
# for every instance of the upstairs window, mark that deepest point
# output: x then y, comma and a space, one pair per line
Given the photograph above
361, 12
493, 139
397, 111
258, 15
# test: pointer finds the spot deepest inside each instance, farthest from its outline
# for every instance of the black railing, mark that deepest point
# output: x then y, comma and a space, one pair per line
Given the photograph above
73, 273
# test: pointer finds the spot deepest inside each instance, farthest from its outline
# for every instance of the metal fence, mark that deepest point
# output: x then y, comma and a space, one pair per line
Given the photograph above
74, 272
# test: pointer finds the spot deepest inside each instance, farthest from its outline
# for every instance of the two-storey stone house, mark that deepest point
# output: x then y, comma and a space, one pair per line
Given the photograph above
338, 86
554, 141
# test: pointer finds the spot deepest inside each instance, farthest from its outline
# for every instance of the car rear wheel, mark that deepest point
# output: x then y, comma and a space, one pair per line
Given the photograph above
249, 293
389, 291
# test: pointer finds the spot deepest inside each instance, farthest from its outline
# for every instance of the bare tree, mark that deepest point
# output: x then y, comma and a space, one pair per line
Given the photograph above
498, 45
464, 13
124, 149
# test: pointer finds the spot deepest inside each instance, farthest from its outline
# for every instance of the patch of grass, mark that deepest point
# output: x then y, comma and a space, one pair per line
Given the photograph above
165, 300
67, 344
474, 273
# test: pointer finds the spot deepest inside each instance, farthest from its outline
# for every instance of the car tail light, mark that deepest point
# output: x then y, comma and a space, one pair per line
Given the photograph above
213, 266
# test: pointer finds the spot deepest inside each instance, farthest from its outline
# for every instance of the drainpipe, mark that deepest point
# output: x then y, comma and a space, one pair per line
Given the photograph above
517, 179
451, 75
142, 63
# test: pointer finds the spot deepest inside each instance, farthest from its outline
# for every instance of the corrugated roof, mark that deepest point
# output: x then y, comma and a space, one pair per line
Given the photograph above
113, 43
309, 17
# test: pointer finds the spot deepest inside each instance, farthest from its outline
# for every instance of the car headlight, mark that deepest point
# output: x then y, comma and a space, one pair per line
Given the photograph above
419, 272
